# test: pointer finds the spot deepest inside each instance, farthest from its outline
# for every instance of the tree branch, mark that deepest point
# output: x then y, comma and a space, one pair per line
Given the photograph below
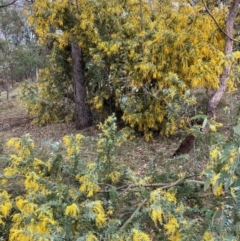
214, 19
7, 4
160, 185
133, 214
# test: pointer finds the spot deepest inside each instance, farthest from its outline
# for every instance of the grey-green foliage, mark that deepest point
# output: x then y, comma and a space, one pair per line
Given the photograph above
19, 54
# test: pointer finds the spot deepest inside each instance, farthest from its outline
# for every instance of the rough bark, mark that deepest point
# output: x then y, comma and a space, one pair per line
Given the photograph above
82, 111
218, 94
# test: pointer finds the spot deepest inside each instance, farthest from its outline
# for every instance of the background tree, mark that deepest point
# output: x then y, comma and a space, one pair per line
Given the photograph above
19, 52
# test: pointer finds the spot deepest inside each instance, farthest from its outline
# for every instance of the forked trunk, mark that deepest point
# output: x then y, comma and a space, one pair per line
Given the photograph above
218, 94
82, 110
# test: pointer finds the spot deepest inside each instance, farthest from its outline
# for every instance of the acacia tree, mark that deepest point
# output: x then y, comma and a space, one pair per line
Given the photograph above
142, 57
54, 22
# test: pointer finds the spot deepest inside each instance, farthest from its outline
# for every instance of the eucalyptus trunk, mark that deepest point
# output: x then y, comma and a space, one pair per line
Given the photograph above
82, 110
188, 142
219, 93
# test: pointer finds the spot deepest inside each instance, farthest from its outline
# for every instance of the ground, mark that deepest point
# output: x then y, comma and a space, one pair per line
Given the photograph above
137, 154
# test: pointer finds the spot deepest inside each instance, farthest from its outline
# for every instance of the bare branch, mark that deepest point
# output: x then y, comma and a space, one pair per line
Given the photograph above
152, 185
214, 19
133, 214
7, 4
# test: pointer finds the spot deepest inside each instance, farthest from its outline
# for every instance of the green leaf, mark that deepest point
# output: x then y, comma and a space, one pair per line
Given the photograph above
237, 226
208, 173
216, 185
204, 122
216, 215
223, 221
207, 184
199, 116
113, 194
236, 183
236, 129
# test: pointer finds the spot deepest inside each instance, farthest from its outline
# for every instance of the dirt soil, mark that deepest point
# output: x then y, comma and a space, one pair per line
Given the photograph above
138, 154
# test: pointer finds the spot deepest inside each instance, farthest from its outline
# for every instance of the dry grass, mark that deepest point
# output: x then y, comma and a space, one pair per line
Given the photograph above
138, 154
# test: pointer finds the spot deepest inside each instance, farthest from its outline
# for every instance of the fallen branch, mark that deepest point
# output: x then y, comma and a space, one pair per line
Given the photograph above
160, 185
133, 214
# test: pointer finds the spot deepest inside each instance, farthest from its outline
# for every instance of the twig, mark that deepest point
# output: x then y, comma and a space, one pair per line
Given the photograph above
214, 19
7, 4
133, 214
196, 181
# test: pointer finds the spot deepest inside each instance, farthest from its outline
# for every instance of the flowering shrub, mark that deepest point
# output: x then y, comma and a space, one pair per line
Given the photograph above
65, 197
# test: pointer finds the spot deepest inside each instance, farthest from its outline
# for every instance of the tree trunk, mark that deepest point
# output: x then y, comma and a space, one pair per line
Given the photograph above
217, 96
83, 113
188, 142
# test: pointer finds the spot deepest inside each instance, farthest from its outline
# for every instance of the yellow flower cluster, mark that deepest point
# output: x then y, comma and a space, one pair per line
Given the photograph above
101, 219
157, 216
72, 143
215, 154
91, 237
24, 206
31, 182
140, 236
5, 206
88, 185
171, 226
114, 176
40, 223
159, 194
217, 191
160, 199
23, 146
208, 236
72, 210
